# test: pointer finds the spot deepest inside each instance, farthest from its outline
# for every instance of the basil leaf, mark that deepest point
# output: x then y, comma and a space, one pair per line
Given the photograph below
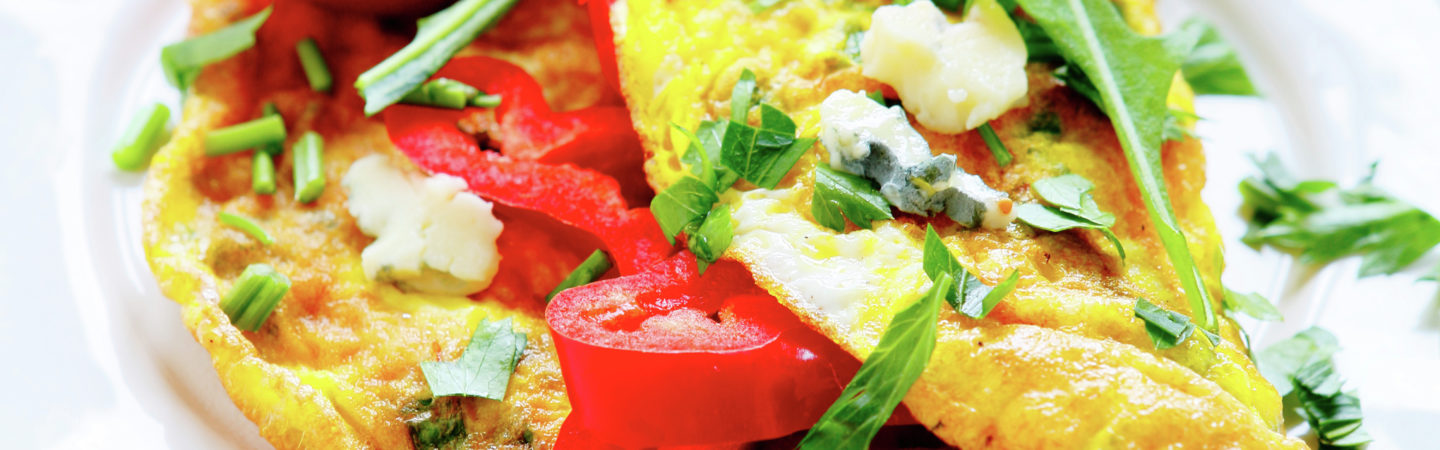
856, 197
592, 268
884, 378
997, 147
980, 298
1132, 76
1324, 222
484, 369
713, 236
740, 96
683, 203
763, 155
1166, 328
1280, 361
1252, 305
1213, 67
439, 37
183, 60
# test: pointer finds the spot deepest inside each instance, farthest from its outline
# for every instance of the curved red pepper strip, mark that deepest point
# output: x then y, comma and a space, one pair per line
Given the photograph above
523, 126
671, 357
604, 39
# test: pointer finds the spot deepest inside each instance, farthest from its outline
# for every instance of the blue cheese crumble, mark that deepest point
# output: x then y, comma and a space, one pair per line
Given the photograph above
867, 139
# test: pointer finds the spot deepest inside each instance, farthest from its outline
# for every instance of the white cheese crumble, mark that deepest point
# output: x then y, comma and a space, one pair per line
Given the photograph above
430, 235
867, 139
953, 77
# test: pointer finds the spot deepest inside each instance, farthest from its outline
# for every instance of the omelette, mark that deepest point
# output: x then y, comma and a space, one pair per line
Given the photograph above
1063, 361
337, 364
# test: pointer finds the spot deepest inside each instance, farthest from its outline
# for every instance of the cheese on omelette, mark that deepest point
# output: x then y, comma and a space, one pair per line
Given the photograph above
337, 365
1062, 362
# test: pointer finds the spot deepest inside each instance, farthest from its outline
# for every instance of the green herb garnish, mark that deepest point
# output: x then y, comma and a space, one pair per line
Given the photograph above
763, 155
1174, 130
183, 60
997, 147
1303, 365
437, 423
254, 296
1132, 76
316, 72
593, 267
277, 147
141, 138
1071, 206
683, 203
247, 225
1252, 305
855, 197
244, 136
884, 378
970, 296
741, 96
1213, 67
1324, 222
262, 173
448, 93
1166, 328
484, 369
439, 37
712, 237
309, 167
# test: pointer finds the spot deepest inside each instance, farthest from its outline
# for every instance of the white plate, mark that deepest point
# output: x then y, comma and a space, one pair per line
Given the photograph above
97, 357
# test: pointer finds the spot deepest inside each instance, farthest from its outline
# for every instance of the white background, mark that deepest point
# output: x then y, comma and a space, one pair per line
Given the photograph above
95, 356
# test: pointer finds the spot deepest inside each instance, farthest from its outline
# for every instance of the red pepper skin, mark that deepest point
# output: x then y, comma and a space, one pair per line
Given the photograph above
671, 357
524, 127
604, 40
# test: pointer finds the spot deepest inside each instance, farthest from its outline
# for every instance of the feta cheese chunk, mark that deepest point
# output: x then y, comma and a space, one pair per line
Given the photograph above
953, 77
867, 139
430, 235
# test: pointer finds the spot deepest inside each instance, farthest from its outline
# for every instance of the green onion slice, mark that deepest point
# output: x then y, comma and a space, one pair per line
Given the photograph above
248, 226
273, 148
255, 133
316, 72
254, 296
309, 167
448, 93
593, 267
997, 147
141, 138
262, 173
183, 60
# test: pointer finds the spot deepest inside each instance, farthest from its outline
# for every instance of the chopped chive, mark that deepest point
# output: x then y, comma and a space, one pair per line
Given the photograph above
247, 225
262, 174
273, 148
182, 60
243, 136
314, 64
997, 147
594, 266
254, 296
485, 101
437, 39
141, 138
309, 167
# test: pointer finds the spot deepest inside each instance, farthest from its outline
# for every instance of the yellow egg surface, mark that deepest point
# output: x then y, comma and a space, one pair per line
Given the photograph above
337, 363
1061, 362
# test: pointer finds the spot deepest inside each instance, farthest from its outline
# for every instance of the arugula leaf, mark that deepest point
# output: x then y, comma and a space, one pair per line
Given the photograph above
971, 296
1324, 223
713, 236
683, 203
484, 369
1166, 328
183, 60
1252, 305
593, 267
763, 155
856, 197
1132, 76
438, 38
740, 96
1213, 67
884, 377
1071, 206
1280, 361
997, 147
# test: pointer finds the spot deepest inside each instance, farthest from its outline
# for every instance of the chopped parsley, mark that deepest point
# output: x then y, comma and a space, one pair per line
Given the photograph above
438, 38
1323, 222
884, 378
1303, 371
970, 296
484, 369
183, 60
763, 154
1252, 305
1166, 328
1213, 67
1071, 205
591, 268
855, 197
437, 423
683, 203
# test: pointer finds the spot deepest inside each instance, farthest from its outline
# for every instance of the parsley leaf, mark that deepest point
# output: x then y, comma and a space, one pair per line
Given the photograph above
1324, 223
1213, 67
1279, 362
438, 38
484, 369
1252, 305
1303, 365
1132, 76
183, 60
838, 192
971, 296
683, 203
712, 237
741, 95
1166, 328
884, 377
763, 155
593, 267
1071, 206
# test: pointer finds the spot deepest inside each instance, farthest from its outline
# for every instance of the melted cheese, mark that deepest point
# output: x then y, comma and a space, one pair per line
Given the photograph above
431, 235
953, 77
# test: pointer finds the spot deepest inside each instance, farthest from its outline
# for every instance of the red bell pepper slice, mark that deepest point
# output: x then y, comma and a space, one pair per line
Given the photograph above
672, 357
604, 39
